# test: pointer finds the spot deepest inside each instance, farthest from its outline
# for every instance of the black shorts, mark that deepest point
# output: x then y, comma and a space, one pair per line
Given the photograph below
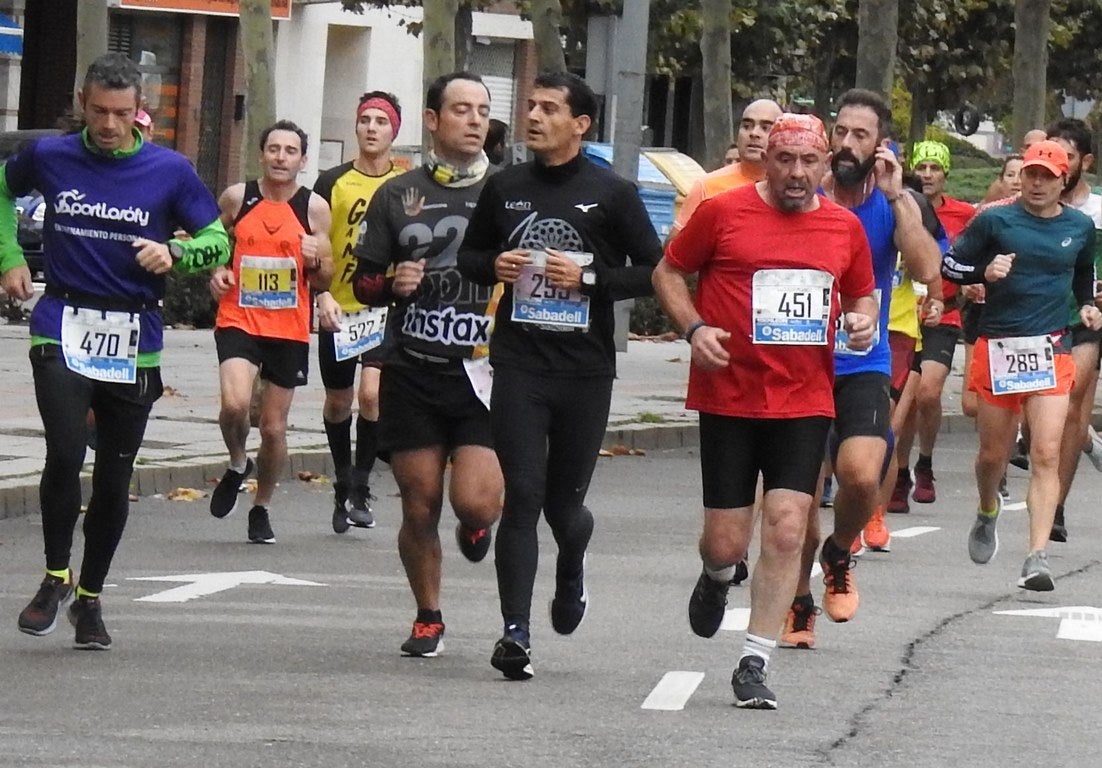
425, 405
1081, 334
283, 362
939, 343
341, 374
970, 315
733, 451
861, 405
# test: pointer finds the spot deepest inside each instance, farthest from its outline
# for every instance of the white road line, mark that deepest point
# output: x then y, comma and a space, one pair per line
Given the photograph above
910, 533
736, 619
673, 690
1014, 507
1077, 629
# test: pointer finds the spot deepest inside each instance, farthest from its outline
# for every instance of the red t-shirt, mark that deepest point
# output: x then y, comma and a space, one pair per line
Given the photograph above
758, 266
954, 216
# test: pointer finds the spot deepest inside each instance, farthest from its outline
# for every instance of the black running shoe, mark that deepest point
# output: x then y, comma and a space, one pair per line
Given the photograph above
512, 654
473, 544
748, 682
340, 507
40, 616
223, 501
260, 528
426, 639
86, 616
360, 513
708, 605
1059, 531
570, 603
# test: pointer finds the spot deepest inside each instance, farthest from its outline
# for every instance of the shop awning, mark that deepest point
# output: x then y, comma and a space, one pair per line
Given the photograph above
11, 36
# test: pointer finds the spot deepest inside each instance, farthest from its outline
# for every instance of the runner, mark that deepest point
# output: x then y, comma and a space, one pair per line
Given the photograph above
867, 178
1075, 137
1032, 254
433, 394
762, 333
348, 188
96, 336
931, 161
281, 252
749, 146
558, 232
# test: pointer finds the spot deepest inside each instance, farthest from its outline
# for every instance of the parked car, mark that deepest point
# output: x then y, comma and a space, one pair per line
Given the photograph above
30, 209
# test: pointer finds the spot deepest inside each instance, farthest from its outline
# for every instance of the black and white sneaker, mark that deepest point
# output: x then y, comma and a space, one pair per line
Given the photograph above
86, 616
360, 513
223, 501
708, 605
571, 601
748, 682
512, 654
40, 616
260, 528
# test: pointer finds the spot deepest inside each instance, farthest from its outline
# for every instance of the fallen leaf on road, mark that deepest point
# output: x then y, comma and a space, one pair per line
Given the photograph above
312, 477
675, 360
133, 497
170, 391
249, 486
185, 494
604, 452
622, 450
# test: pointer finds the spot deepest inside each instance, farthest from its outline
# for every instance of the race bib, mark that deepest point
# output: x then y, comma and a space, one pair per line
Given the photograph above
535, 301
791, 306
101, 345
268, 282
1021, 364
841, 338
360, 331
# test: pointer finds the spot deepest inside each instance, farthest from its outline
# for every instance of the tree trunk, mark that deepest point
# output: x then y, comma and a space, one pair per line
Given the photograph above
257, 47
1031, 23
464, 38
715, 48
91, 38
438, 42
546, 29
877, 37
920, 107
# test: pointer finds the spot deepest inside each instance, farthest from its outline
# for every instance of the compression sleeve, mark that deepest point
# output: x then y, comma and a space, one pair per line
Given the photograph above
208, 248
965, 261
11, 254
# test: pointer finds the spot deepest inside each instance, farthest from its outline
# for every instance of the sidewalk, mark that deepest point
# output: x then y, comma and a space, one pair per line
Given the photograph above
183, 445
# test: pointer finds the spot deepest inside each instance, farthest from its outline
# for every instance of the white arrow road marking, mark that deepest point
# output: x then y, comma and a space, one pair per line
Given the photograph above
736, 619
1077, 622
910, 533
672, 691
202, 584
1015, 507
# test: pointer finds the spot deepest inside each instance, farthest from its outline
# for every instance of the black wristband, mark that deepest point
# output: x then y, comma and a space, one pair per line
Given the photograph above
693, 328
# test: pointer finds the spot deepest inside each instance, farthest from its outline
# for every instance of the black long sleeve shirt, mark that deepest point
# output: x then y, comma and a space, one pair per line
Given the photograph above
576, 206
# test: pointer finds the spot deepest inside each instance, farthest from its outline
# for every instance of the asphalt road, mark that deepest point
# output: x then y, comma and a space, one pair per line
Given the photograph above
288, 674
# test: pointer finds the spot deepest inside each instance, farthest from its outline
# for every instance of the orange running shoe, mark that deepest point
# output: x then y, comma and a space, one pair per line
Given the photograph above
876, 535
840, 598
799, 625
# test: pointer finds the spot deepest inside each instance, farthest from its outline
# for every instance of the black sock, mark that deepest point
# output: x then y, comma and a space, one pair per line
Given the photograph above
430, 617
339, 435
367, 444
924, 462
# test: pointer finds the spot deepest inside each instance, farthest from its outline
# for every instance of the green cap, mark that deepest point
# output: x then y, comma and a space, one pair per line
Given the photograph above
931, 152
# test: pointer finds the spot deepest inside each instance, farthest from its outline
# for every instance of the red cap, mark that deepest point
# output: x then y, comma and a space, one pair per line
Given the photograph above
1047, 154
143, 119
798, 130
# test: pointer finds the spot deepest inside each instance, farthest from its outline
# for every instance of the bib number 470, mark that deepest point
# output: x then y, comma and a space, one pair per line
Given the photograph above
100, 344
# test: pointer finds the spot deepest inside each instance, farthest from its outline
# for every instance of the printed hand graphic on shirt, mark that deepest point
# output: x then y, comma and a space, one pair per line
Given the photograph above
412, 202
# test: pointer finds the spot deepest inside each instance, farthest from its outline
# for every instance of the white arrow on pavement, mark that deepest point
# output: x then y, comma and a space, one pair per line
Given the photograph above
202, 584
1077, 622
910, 533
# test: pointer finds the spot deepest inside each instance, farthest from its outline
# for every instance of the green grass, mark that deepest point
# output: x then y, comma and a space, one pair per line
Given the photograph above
646, 417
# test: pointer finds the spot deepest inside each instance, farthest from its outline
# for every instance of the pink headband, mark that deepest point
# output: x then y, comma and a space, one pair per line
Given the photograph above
791, 130
384, 106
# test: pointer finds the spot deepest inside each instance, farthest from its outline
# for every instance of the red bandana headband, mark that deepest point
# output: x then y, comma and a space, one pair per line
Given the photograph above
790, 130
386, 107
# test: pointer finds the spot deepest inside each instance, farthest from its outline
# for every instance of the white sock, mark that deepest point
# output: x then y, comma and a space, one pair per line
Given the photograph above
758, 646
240, 468
722, 575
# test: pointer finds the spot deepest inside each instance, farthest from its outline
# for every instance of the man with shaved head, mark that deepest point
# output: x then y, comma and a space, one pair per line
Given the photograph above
753, 129
762, 331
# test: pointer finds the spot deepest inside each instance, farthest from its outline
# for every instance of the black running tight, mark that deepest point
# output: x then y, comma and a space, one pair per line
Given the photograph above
547, 434
121, 412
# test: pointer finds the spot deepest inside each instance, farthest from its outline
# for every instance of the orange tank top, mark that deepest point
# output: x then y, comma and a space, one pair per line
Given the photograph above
270, 296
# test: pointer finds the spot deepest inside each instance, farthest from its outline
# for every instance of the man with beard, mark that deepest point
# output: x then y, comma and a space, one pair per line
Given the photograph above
867, 178
1032, 255
749, 147
778, 265
1075, 137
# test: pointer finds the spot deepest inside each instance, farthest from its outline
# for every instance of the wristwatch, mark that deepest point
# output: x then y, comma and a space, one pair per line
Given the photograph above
589, 277
175, 250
